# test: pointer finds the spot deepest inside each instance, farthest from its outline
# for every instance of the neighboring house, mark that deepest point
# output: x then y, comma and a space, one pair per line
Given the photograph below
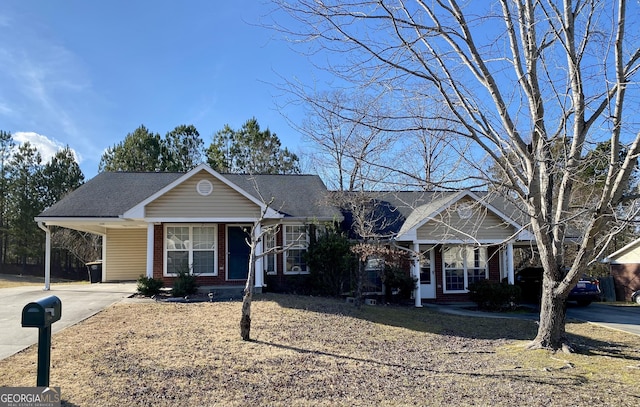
156, 224
624, 266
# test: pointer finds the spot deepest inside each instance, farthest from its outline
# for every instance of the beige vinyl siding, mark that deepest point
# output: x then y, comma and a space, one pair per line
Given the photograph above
126, 254
482, 225
185, 202
629, 256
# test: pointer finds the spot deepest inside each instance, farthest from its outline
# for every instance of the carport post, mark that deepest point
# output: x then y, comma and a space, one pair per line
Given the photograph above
47, 257
510, 266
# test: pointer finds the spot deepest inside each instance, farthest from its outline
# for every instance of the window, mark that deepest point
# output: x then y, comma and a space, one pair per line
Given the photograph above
463, 265
269, 243
296, 240
374, 268
425, 267
190, 248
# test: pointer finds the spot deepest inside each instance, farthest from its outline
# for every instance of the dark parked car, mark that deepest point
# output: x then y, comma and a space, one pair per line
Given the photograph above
530, 282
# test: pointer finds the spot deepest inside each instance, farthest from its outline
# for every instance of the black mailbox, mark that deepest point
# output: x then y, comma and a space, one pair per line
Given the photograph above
42, 313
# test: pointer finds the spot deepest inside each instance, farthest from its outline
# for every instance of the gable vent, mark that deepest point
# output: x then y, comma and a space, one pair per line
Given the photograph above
204, 187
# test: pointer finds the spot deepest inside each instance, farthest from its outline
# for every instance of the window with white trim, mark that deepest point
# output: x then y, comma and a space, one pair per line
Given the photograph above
190, 248
425, 267
296, 240
463, 265
269, 245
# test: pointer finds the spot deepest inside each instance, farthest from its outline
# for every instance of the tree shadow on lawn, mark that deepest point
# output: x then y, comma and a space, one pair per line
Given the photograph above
439, 369
424, 319
430, 320
609, 346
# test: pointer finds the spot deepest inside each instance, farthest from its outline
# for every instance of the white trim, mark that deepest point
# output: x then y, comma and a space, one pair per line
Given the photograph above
200, 220
216, 254
47, 256
415, 269
273, 232
474, 242
285, 244
465, 269
611, 258
150, 245
510, 271
259, 272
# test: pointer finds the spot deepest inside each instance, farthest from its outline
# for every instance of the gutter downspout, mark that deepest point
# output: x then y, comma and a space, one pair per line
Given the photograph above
47, 257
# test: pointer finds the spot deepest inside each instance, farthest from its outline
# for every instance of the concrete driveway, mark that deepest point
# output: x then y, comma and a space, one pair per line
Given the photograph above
79, 302
623, 318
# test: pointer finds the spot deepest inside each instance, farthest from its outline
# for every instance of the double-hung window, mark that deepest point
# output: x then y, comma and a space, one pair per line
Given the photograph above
191, 249
296, 242
463, 265
268, 247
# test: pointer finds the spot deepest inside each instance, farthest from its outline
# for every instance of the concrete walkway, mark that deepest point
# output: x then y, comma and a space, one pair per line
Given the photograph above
79, 302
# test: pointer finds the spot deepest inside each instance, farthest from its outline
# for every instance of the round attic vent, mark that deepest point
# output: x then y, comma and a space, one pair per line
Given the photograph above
464, 210
204, 187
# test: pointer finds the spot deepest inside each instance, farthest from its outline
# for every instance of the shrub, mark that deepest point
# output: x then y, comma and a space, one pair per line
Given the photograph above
184, 284
149, 286
494, 296
330, 260
397, 279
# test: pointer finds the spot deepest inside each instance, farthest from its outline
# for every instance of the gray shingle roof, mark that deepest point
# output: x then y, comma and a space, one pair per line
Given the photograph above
302, 196
110, 194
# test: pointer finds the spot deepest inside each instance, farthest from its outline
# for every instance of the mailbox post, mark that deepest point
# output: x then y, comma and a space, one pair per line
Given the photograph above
41, 314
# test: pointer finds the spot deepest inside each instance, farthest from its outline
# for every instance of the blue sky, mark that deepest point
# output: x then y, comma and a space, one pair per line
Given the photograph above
86, 73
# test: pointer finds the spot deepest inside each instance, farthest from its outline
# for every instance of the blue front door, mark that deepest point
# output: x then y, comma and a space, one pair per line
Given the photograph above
237, 252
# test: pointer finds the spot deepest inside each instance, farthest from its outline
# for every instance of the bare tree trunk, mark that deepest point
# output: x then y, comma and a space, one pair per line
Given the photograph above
359, 282
245, 321
551, 331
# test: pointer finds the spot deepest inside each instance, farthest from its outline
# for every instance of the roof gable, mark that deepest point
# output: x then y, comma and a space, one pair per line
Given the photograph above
428, 212
138, 211
627, 254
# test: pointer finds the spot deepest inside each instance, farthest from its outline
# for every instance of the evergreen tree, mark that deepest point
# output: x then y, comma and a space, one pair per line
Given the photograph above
183, 149
141, 150
61, 175
250, 150
6, 148
25, 203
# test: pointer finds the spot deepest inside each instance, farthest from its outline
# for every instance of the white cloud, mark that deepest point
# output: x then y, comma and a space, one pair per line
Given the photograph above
46, 147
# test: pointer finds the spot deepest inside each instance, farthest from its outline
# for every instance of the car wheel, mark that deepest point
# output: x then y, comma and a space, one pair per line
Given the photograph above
583, 303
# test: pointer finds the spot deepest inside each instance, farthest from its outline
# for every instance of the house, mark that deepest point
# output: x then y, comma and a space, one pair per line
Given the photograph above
157, 224
624, 267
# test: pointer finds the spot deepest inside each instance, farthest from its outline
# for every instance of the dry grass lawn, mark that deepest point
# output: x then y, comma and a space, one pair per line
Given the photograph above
322, 352
13, 280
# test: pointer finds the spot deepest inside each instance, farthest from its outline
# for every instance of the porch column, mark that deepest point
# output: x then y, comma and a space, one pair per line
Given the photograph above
47, 257
510, 271
416, 273
258, 253
150, 244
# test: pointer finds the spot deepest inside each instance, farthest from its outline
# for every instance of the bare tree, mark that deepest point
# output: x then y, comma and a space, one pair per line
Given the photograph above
519, 78
83, 246
255, 239
346, 133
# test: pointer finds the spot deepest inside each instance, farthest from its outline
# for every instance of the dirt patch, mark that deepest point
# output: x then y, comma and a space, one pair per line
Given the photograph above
320, 352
